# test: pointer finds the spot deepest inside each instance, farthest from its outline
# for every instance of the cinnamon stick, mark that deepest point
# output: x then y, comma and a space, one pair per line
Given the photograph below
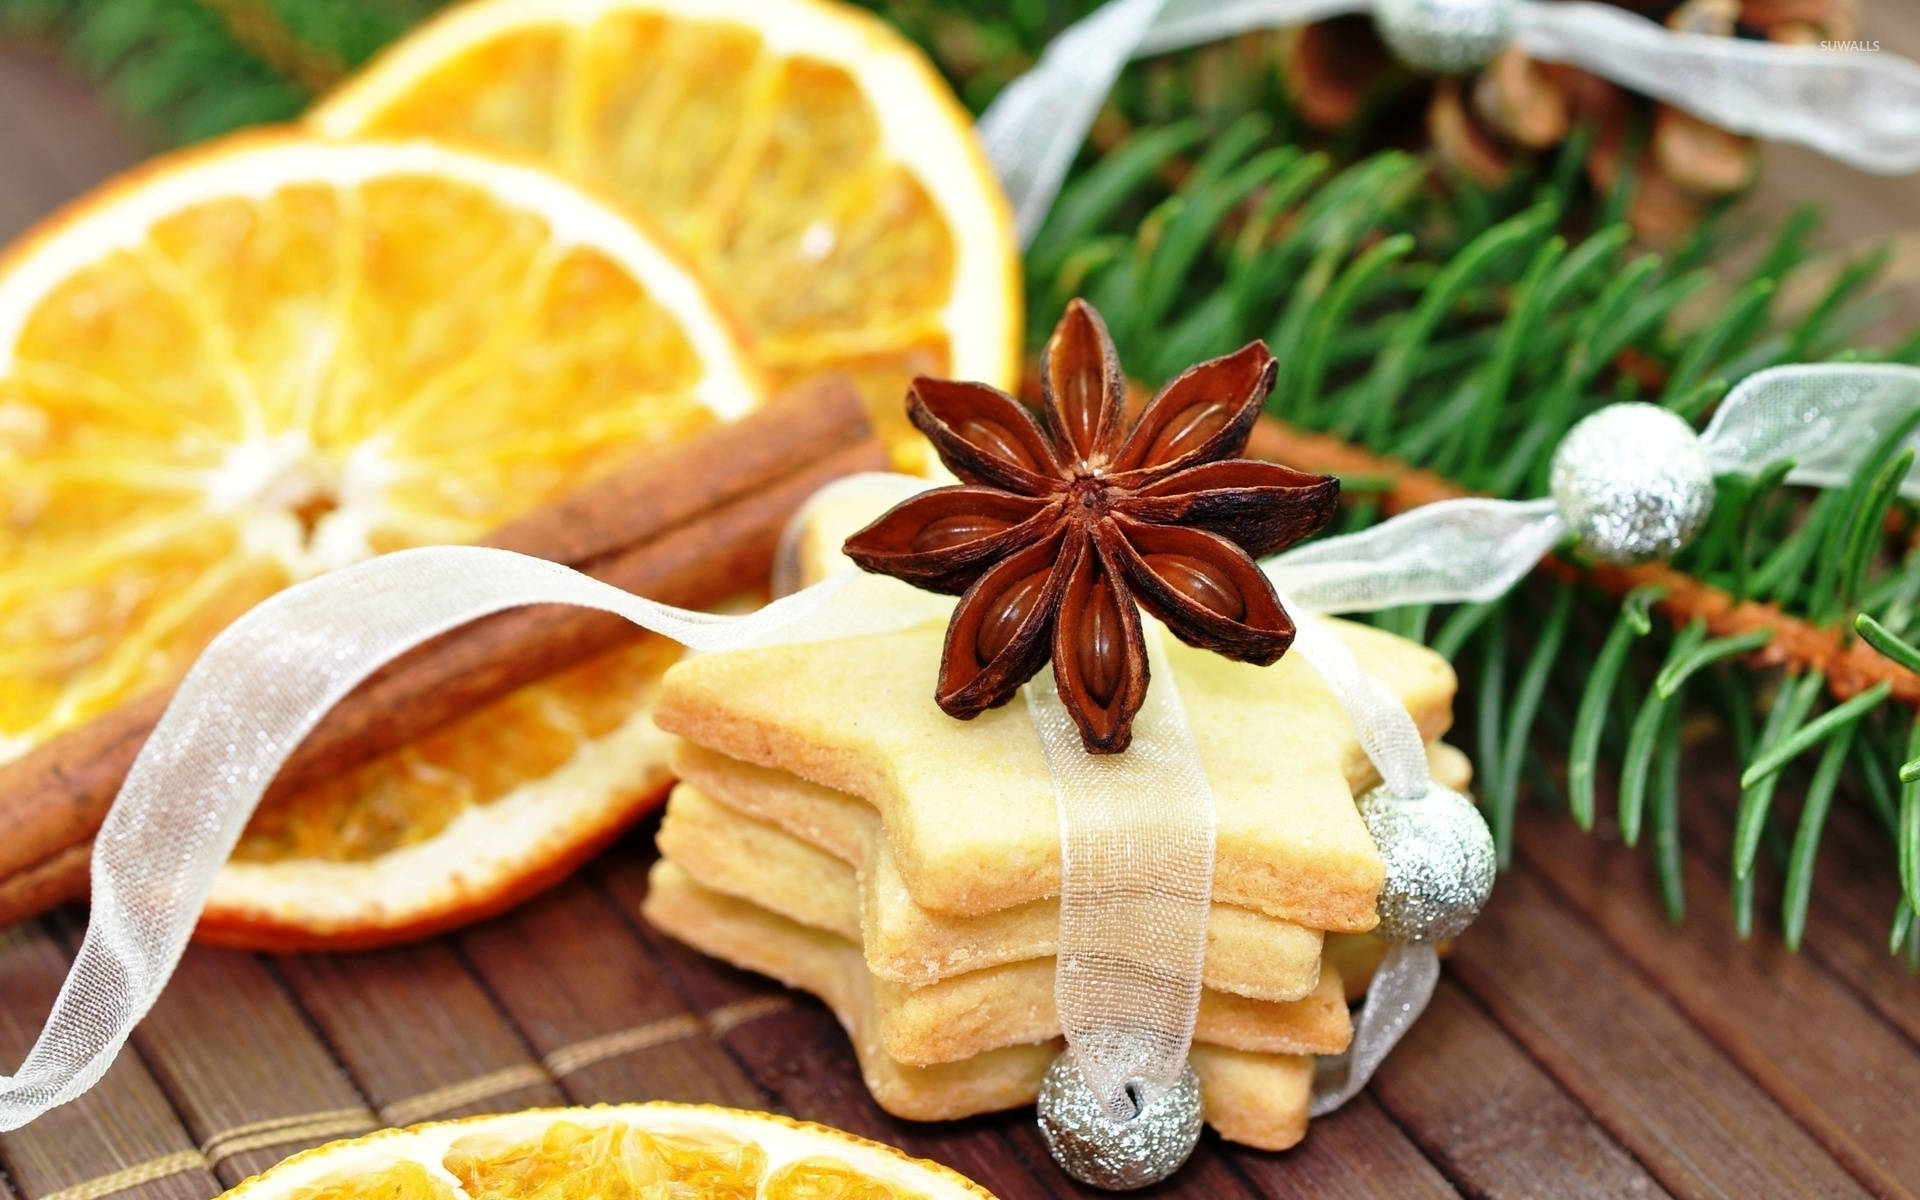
45, 884
691, 526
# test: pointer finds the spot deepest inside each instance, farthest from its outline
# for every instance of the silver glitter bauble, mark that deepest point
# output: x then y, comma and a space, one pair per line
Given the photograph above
1632, 482
1446, 37
1440, 862
1117, 1155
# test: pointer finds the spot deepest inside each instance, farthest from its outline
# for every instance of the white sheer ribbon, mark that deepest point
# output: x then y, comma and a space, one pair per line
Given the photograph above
1405, 978
1458, 551
1404, 981
1036, 125
1861, 107
1828, 418
1381, 723
1137, 829
1136, 884
1136, 856
253, 695
1185, 23
264, 683
1825, 417
1402, 985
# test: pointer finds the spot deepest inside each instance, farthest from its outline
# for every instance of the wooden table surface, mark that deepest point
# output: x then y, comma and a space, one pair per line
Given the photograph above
1579, 1045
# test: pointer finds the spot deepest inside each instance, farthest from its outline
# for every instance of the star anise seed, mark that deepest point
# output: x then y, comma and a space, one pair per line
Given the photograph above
1059, 533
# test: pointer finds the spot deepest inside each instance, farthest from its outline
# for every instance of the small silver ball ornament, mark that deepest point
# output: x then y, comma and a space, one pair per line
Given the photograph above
1632, 482
1446, 37
1440, 863
1117, 1155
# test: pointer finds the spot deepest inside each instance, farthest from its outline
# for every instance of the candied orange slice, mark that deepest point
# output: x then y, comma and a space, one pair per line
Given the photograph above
683, 1151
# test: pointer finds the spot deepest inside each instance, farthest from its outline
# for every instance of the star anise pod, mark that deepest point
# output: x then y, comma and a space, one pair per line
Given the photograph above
1058, 535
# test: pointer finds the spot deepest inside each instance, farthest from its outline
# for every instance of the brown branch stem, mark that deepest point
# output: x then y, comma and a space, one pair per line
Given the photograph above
255, 25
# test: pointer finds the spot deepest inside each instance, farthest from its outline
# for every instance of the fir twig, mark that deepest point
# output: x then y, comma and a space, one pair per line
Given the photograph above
1457, 338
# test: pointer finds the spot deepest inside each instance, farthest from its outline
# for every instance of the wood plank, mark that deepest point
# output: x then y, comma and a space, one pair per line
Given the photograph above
418, 1034
1608, 1036
577, 983
1620, 1038
1856, 886
1851, 1086
248, 1074
1847, 925
121, 1131
1357, 1153
1499, 1125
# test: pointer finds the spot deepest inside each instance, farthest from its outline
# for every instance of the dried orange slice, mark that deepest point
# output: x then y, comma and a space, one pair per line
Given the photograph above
685, 1151
259, 360
803, 156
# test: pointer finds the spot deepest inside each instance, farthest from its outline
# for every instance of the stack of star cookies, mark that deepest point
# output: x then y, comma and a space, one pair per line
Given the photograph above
837, 831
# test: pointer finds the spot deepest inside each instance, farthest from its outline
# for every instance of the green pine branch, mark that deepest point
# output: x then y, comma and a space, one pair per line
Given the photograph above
1464, 331
1428, 319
